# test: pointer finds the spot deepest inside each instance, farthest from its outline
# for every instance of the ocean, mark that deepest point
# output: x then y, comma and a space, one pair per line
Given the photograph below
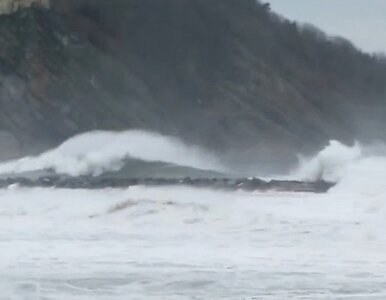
180, 242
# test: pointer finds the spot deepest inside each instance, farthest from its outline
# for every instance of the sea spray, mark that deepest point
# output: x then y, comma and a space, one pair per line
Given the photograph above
356, 170
100, 151
329, 164
173, 241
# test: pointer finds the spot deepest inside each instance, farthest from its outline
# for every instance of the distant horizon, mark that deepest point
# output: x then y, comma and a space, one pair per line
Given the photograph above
355, 20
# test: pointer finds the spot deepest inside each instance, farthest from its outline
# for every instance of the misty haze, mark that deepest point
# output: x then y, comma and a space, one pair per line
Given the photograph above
192, 149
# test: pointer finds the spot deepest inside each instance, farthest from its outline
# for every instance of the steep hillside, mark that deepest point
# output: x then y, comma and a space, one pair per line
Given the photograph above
10, 6
226, 74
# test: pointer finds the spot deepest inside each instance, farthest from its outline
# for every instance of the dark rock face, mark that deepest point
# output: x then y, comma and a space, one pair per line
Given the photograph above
10, 148
225, 74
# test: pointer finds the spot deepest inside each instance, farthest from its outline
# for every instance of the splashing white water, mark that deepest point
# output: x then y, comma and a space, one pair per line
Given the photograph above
187, 243
365, 177
356, 170
330, 164
168, 243
100, 151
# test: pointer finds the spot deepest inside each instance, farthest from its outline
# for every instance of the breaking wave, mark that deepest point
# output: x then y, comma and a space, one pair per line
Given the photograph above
102, 151
329, 164
357, 169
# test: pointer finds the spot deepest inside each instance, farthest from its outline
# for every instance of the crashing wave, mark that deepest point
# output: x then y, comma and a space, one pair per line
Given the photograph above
357, 170
330, 164
95, 153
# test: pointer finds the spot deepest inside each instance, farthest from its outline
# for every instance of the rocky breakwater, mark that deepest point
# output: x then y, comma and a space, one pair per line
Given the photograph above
243, 184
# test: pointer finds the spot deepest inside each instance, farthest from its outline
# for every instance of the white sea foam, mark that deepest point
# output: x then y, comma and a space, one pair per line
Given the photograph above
96, 152
187, 243
329, 164
356, 170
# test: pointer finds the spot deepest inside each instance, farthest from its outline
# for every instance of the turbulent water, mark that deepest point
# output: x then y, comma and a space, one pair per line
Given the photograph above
99, 152
186, 243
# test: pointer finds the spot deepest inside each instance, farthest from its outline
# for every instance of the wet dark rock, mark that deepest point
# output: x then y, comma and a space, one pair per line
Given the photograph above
247, 184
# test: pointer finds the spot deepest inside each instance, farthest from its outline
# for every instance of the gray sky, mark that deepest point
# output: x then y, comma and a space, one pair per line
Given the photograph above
363, 22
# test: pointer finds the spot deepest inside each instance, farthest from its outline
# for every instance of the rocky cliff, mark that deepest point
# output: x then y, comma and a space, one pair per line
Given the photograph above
11, 6
229, 75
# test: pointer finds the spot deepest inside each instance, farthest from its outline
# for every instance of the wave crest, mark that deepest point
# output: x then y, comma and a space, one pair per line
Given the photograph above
100, 151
